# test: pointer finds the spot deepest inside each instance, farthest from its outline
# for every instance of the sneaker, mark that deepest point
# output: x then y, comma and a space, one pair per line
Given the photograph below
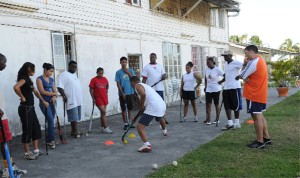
145, 148
29, 155
51, 144
37, 152
165, 132
214, 122
125, 126
166, 121
256, 144
267, 141
106, 130
5, 173
75, 134
237, 126
228, 127
17, 171
208, 123
195, 119
183, 119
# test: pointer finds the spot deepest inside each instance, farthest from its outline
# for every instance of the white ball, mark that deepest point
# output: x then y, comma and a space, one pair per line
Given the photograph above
174, 163
154, 166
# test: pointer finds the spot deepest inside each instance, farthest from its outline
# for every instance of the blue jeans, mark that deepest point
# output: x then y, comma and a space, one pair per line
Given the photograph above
50, 118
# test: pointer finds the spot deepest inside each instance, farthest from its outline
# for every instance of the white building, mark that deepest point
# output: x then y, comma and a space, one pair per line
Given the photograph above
98, 32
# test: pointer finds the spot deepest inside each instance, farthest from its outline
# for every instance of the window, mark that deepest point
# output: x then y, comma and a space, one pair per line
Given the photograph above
134, 2
198, 59
221, 18
63, 51
173, 67
213, 17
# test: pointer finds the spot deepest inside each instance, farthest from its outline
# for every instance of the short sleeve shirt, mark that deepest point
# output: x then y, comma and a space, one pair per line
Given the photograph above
71, 85
153, 73
231, 71
124, 81
212, 78
27, 92
99, 85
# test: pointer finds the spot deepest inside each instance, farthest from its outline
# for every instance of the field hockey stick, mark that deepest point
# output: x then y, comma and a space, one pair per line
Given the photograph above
65, 120
157, 82
91, 122
220, 110
62, 139
6, 150
180, 106
133, 121
126, 110
46, 130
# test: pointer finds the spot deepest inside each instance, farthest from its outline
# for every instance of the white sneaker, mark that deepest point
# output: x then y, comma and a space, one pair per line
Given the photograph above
165, 132
208, 123
237, 126
107, 130
5, 173
196, 119
145, 148
18, 171
183, 119
29, 156
37, 152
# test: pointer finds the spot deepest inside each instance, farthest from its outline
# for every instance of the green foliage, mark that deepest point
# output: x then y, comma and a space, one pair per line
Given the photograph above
281, 72
227, 155
255, 40
239, 39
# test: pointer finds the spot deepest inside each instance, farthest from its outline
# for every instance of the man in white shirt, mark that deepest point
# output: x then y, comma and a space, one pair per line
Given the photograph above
69, 87
232, 90
153, 74
152, 106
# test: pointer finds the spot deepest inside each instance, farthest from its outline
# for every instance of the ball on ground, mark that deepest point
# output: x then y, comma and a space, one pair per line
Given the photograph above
154, 166
125, 142
174, 163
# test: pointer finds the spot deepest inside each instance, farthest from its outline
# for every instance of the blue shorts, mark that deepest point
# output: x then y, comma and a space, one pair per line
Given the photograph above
240, 99
255, 107
74, 114
161, 94
146, 119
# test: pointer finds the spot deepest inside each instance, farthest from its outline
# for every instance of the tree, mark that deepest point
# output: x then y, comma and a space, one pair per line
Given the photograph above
239, 39
255, 40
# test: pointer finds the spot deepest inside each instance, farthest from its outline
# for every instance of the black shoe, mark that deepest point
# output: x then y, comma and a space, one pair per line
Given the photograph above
125, 127
267, 141
256, 144
228, 127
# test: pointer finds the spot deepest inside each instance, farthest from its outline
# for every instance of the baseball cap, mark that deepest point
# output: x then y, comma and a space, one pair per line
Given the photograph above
226, 53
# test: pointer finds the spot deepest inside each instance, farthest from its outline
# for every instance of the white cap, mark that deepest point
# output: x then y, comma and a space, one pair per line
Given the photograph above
226, 53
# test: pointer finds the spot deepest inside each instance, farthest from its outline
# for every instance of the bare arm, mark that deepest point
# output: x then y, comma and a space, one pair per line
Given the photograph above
62, 93
141, 92
221, 81
38, 95
92, 94
181, 86
199, 80
121, 90
17, 89
144, 80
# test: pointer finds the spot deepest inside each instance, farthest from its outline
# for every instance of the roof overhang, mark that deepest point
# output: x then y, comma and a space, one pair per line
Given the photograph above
17, 6
230, 5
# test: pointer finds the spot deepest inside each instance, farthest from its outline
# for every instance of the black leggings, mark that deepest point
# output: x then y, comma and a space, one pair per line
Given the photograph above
30, 124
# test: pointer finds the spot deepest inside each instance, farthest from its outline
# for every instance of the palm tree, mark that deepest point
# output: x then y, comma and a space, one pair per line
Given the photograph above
288, 45
239, 39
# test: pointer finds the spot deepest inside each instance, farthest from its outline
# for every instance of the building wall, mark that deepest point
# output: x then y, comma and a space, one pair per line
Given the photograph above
104, 31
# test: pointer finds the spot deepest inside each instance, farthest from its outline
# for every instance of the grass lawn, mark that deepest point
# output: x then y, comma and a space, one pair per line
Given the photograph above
227, 155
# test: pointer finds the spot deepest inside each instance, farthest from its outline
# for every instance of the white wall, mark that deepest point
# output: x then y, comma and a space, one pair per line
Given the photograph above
104, 31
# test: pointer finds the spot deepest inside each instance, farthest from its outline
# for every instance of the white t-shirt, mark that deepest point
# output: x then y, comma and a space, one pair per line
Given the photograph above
154, 104
212, 78
71, 85
189, 82
153, 73
231, 71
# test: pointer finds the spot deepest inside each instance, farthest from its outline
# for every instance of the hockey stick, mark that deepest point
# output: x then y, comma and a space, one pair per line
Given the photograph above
6, 150
65, 120
62, 139
220, 109
46, 130
126, 110
134, 120
180, 107
157, 82
91, 122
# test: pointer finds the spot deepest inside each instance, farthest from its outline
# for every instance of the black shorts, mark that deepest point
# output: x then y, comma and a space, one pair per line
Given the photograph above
30, 124
129, 101
212, 96
231, 99
189, 95
146, 119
